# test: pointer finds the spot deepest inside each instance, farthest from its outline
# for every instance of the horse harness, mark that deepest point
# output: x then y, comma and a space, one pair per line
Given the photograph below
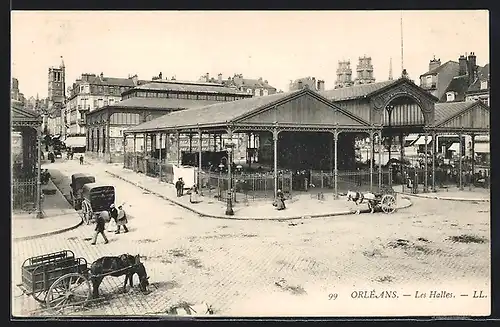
130, 267
358, 197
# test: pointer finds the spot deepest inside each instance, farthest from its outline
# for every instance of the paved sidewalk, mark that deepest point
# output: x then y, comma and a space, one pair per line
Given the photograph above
58, 217
301, 206
454, 194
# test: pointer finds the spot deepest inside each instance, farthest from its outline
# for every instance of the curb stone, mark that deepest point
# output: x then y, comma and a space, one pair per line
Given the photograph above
59, 231
340, 213
436, 197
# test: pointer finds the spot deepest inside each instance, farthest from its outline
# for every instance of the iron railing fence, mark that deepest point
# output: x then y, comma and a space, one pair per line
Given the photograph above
246, 187
24, 193
358, 180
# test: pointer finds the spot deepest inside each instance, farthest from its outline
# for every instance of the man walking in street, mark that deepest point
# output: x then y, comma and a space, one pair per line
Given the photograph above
81, 160
119, 216
99, 229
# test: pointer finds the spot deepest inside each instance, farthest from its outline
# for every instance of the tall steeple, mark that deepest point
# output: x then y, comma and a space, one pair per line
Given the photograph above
62, 62
344, 74
390, 69
365, 71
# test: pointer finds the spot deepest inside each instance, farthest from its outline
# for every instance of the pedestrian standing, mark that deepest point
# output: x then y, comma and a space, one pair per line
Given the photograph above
178, 186
121, 220
81, 160
99, 229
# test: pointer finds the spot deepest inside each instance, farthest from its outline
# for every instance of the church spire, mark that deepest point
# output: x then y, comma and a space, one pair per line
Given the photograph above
390, 69
62, 62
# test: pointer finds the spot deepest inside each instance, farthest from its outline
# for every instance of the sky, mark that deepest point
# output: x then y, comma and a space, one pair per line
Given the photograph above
278, 46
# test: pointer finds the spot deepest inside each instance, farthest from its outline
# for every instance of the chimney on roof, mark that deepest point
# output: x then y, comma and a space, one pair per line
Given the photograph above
321, 85
219, 78
434, 63
300, 85
102, 76
160, 75
471, 67
462, 64
207, 76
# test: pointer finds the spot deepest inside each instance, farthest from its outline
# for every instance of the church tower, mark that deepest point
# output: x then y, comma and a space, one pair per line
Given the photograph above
344, 74
365, 71
56, 85
56, 95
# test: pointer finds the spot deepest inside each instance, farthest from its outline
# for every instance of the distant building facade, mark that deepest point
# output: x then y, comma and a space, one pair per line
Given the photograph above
256, 87
439, 76
311, 82
458, 81
105, 125
91, 92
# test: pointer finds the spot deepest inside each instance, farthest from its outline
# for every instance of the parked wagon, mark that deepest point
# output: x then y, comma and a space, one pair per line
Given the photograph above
59, 280
97, 198
77, 182
56, 279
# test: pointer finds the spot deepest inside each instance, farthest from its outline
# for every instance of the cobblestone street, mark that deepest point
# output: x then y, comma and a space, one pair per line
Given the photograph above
230, 263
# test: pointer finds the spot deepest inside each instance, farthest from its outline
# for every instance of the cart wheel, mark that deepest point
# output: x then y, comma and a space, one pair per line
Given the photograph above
40, 296
70, 289
388, 203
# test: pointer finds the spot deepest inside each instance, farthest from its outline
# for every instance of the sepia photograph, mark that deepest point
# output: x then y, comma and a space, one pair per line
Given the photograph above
250, 164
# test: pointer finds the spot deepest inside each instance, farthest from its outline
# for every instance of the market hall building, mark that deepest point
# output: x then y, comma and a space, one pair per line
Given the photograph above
304, 129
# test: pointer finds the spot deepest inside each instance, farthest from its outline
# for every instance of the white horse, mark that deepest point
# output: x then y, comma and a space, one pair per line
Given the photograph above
358, 198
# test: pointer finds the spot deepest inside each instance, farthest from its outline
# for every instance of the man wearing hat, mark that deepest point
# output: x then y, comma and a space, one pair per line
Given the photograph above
120, 218
179, 186
99, 229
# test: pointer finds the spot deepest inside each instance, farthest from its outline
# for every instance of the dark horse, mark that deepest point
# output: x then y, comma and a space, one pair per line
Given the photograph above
124, 264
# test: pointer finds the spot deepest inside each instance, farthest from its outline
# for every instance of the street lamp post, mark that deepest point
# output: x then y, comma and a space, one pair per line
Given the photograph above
221, 167
229, 209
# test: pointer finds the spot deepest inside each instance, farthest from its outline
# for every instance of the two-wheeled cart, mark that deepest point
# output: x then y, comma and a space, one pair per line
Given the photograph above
57, 279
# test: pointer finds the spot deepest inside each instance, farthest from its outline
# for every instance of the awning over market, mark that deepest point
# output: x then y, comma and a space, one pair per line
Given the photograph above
482, 148
421, 140
454, 147
75, 141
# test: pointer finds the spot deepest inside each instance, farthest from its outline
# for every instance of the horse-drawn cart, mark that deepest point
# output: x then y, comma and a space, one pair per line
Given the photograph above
59, 280
56, 279
386, 202
97, 198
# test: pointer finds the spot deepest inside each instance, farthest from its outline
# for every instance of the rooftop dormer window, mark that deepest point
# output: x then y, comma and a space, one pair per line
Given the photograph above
450, 96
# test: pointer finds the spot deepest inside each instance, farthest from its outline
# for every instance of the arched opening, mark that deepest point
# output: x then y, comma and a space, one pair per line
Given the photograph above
403, 116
